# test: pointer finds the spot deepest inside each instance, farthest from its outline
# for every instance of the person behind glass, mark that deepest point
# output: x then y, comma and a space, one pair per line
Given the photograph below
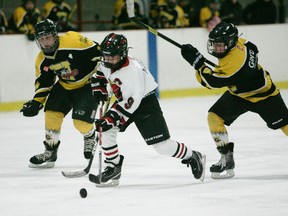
60, 12
168, 14
192, 10
63, 69
135, 90
3, 22
24, 19
250, 88
231, 12
260, 12
209, 15
120, 18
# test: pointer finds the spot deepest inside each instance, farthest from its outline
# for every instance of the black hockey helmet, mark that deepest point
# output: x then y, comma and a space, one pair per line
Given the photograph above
43, 28
112, 45
225, 33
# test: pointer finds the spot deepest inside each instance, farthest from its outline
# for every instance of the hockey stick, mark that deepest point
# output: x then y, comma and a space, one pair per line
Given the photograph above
80, 173
100, 149
131, 14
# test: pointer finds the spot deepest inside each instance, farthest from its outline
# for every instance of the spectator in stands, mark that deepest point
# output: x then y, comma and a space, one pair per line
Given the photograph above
192, 10
260, 12
3, 22
210, 15
231, 12
179, 19
120, 18
60, 12
168, 14
24, 18
153, 14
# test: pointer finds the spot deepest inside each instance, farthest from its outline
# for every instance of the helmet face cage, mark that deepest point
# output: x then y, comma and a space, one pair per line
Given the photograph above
112, 45
222, 39
44, 28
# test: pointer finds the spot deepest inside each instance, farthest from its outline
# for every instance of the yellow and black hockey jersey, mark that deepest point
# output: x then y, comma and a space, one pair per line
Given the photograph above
23, 21
57, 12
240, 72
73, 64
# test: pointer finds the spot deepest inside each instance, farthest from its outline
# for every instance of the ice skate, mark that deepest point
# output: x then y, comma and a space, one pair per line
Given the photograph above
110, 177
225, 166
89, 142
197, 163
46, 159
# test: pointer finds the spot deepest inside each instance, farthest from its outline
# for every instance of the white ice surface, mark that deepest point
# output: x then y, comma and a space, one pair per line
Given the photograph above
150, 183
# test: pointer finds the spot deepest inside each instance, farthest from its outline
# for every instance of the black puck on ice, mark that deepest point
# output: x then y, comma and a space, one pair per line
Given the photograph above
83, 192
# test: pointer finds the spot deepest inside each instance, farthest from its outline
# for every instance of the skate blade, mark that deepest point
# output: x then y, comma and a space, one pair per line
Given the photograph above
229, 174
110, 183
43, 165
203, 161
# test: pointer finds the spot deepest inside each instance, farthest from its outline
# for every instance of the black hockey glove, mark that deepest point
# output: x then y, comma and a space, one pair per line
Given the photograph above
31, 108
99, 87
192, 55
109, 120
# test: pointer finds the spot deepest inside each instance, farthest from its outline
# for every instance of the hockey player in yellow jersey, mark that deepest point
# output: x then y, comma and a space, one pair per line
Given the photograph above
24, 18
250, 88
72, 59
60, 12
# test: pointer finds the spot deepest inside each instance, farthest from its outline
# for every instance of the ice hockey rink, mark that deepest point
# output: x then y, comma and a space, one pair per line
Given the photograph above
150, 184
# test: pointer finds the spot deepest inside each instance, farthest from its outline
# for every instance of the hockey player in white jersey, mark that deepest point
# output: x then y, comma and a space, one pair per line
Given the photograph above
135, 88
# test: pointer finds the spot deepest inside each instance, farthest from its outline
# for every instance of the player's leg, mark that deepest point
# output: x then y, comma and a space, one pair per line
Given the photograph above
155, 132
83, 115
285, 129
53, 122
56, 107
224, 111
274, 112
113, 160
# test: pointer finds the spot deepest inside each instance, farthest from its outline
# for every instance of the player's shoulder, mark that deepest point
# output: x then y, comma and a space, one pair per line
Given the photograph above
235, 59
135, 62
75, 40
40, 58
19, 10
49, 4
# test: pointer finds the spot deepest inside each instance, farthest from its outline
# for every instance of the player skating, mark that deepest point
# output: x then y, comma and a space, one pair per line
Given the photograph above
134, 88
250, 88
70, 59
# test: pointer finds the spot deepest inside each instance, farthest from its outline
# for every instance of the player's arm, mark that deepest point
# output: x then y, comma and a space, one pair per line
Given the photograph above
99, 87
43, 85
213, 79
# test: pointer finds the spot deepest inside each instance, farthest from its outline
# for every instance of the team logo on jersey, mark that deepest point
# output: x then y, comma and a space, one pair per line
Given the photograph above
70, 56
64, 71
115, 85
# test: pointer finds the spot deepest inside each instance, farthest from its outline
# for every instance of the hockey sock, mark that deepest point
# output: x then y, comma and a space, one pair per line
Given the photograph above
172, 148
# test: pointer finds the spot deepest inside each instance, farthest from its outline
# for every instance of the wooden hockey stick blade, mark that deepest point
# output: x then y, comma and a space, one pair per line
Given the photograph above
75, 174
155, 32
79, 173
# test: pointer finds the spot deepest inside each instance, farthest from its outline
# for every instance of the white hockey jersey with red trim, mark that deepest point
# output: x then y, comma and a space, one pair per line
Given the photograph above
130, 84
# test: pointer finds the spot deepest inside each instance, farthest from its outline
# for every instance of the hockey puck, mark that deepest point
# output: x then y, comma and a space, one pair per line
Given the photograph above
83, 192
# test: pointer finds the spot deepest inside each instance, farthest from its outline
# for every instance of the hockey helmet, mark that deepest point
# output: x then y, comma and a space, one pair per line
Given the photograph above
114, 45
44, 28
222, 39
